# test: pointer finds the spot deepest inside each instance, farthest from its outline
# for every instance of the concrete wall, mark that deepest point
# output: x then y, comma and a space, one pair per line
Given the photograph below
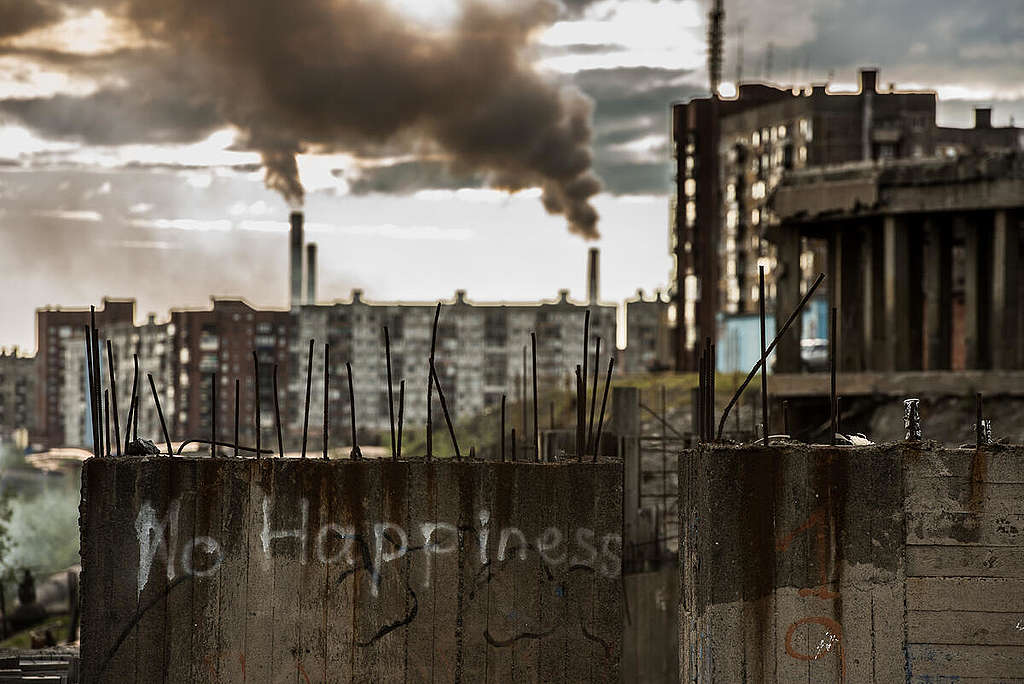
888, 563
305, 571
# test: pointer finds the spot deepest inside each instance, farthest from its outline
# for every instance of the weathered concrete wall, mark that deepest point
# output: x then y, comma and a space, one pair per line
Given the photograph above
306, 571
884, 563
650, 650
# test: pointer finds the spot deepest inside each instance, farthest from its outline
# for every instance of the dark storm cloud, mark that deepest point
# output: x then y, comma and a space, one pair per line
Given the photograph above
632, 104
118, 116
21, 16
934, 42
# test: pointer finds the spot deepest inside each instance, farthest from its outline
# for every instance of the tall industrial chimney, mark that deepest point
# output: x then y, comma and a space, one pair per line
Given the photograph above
593, 276
311, 273
296, 258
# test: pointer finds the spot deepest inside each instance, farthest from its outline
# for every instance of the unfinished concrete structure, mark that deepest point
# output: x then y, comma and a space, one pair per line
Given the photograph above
851, 564
923, 260
233, 570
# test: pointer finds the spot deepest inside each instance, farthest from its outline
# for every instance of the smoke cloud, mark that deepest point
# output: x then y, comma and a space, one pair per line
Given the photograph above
331, 75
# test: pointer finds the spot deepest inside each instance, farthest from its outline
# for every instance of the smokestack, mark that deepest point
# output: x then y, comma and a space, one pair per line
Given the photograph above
311, 273
296, 258
593, 276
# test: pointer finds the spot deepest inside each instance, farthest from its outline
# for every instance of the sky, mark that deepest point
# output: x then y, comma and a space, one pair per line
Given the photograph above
153, 148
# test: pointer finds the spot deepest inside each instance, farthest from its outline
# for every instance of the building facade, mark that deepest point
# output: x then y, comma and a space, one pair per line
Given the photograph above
17, 393
730, 156
60, 336
923, 257
648, 334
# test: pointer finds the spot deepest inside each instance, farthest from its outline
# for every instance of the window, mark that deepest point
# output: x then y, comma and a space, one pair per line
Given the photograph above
690, 187
691, 213
757, 190
755, 139
730, 192
755, 217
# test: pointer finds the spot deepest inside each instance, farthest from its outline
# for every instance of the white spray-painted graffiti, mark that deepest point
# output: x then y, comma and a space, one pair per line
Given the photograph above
202, 555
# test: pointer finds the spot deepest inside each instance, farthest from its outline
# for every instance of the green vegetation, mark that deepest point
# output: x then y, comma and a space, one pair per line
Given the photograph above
58, 626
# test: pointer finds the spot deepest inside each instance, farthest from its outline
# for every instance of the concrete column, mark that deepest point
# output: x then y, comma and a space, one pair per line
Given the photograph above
977, 290
626, 427
897, 293
1005, 308
787, 296
938, 292
872, 279
851, 307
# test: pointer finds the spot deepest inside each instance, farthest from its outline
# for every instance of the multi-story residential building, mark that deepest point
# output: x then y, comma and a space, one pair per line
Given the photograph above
731, 153
152, 342
59, 337
479, 355
648, 336
17, 392
219, 342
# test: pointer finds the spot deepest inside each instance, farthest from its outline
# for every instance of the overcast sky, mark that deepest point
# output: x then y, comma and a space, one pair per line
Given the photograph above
138, 137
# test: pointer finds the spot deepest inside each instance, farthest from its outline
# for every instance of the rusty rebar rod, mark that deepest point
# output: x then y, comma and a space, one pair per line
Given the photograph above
785, 418
327, 397
113, 398
258, 410
580, 412
979, 426
833, 403
305, 414
99, 381
94, 388
765, 420
92, 405
604, 401
277, 418
447, 416
236, 445
513, 444
160, 414
213, 414
237, 388
430, 384
131, 405
355, 454
391, 392
502, 439
536, 432
138, 398
712, 369
593, 394
753, 371
106, 404
401, 417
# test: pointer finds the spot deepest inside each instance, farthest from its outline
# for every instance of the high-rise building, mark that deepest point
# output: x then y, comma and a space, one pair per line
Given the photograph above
221, 340
59, 337
731, 153
17, 392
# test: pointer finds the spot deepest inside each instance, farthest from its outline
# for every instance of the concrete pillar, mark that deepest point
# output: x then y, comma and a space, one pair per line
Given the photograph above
626, 427
872, 279
1005, 307
938, 292
787, 296
977, 290
896, 263
851, 307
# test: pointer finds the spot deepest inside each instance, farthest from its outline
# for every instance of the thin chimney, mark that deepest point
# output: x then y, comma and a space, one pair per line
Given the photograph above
296, 258
311, 273
593, 276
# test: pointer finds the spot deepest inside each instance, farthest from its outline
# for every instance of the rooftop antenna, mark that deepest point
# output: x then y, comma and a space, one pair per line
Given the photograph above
716, 20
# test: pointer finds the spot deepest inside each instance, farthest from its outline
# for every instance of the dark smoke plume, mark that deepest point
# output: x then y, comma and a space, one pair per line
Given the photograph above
353, 74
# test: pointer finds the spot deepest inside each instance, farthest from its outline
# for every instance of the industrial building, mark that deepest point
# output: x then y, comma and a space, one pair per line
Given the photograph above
732, 153
17, 393
923, 256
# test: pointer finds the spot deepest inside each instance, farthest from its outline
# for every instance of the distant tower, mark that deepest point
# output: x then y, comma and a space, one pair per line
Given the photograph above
295, 265
716, 24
